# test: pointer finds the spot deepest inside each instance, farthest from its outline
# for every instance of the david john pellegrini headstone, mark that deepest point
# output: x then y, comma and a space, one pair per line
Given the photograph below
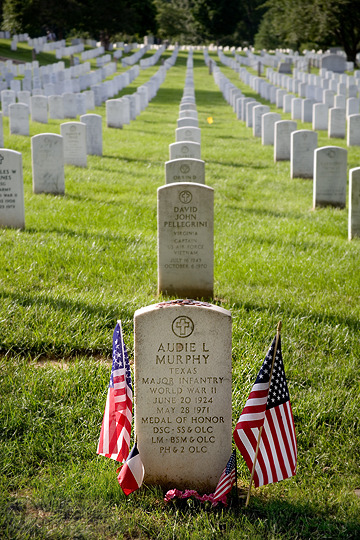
186, 240
183, 393
12, 210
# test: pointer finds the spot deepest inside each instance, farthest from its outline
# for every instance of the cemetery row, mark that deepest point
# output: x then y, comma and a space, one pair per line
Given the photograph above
50, 152
326, 165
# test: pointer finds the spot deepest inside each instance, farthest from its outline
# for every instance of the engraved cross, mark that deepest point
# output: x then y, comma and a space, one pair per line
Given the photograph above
183, 324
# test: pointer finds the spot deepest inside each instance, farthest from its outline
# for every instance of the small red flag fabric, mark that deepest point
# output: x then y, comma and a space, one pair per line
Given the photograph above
132, 472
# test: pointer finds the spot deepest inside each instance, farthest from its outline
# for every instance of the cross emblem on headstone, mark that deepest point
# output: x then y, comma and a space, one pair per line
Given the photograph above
1, 159
183, 326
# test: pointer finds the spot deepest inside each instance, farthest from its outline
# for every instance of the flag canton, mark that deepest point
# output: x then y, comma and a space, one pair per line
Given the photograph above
231, 463
278, 392
120, 358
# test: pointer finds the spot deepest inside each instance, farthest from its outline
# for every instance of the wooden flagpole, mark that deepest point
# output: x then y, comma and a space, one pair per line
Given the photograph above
261, 428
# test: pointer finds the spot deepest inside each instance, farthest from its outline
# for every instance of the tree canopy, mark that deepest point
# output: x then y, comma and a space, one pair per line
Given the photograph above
269, 24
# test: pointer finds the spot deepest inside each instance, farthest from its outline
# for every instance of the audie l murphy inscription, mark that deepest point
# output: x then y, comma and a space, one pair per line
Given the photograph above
183, 393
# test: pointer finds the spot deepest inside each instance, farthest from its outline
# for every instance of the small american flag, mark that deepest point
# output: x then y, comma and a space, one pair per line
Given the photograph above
227, 478
268, 405
115, 432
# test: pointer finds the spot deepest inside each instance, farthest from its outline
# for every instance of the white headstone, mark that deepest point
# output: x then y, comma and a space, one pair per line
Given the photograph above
8, 97
330, 176
354, 203
185, 150
283, 130
320, 117
69, 104
117, 113
296, 108
268, 127
94, 140
183, 393
19, 123
188, 134
258, 112
187, 121
12, 209
185, 170
353, 130
337, 123
186, 240
74, 135
303, 144
56, 107
39, 109
47, 156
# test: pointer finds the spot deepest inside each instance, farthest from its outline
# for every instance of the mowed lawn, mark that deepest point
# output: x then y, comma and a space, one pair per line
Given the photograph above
89, 258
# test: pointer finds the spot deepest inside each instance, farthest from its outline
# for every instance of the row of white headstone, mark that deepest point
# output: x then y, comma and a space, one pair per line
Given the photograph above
186, 209
121, 111
326, 165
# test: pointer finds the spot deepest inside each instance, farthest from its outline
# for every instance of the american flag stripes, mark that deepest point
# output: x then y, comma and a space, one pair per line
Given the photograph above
227, 478
268, 409
115, 432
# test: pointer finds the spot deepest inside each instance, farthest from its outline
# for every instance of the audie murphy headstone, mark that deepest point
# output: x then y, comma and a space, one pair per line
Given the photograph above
185, 170
47, 155
186, 240
183, 393
12, 210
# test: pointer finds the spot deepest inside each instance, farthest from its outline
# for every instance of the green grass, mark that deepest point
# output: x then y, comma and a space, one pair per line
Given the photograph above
88, 258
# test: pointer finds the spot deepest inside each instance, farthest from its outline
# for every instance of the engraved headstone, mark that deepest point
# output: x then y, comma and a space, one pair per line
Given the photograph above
187, 121
188, 134
12, 209
283, 130
258, 112
320, 116
56, 107
353, 130
74, 134
185, 170
268, 128
19, 122
185, 149
330, 164
183, 393
337, 123
303, 144
39, 109
186, 240
354, 203
94, 142
47, 156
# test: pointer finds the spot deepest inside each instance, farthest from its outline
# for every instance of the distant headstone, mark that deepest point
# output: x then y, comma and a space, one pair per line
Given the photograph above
258, 112
353, 130
333, 62
56, 107
19, 123
330, 176
185, 150
94, 140
186, 240
283, 130
188, 134
8, 97
183, 393
187, 121
268, 128
12, 209
284, 67
296, 109
117, 113
303, 144
47, 156
354, 203
320, 117
337, 123
39, 109
185, 170
74, 135
69, 104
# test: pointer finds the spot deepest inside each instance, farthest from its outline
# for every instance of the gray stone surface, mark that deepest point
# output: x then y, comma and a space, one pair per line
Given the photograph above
303, 144
12, 209
94, 139
47, 158
186, 240
185, 170
354, 203
185, 150
74, 135
183, 417
330, 176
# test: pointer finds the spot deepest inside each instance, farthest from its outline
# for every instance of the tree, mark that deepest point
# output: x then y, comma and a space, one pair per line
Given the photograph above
175, 21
